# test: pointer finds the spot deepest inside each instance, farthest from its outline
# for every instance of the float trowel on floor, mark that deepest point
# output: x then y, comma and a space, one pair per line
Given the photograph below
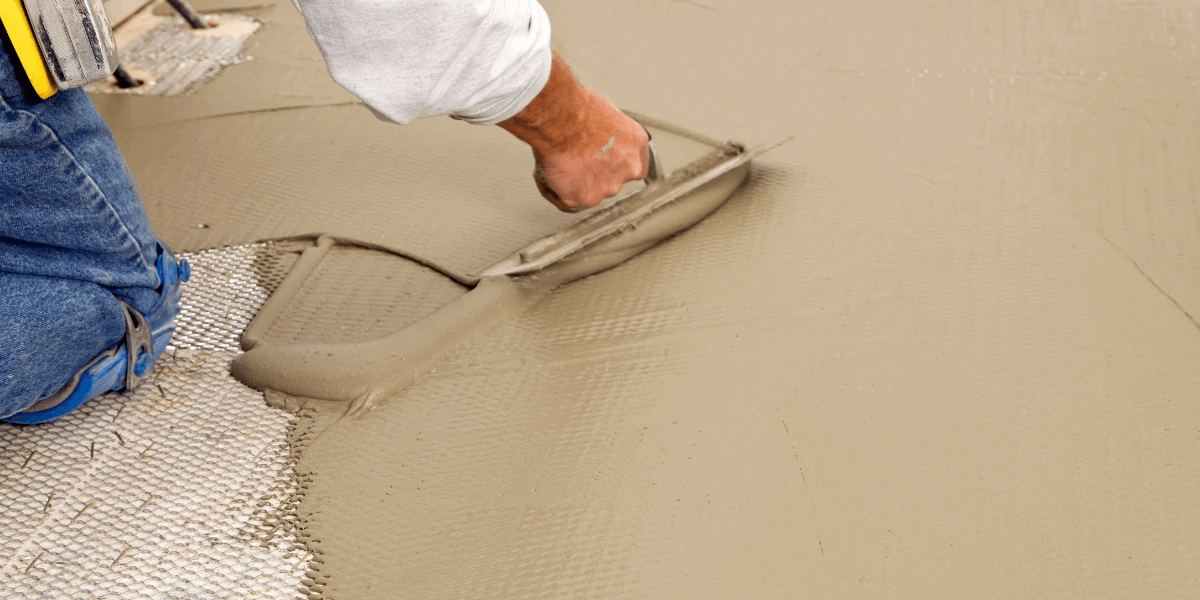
364, 373
660, 190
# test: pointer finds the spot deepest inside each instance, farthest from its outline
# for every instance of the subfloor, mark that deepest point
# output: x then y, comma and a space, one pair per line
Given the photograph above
942, 343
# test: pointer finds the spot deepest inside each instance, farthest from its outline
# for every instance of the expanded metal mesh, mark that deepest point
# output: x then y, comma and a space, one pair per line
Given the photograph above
174, 59
181, 489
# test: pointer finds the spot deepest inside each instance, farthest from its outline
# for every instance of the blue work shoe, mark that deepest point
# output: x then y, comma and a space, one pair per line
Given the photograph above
146, 336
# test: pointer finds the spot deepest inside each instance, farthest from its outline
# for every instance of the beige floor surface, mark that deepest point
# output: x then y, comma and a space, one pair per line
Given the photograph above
942, 344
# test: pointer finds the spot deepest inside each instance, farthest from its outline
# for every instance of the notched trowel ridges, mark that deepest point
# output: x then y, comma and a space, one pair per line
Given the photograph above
367, 372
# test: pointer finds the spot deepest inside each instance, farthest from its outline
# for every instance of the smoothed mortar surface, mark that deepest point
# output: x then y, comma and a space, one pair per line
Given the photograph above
941, 345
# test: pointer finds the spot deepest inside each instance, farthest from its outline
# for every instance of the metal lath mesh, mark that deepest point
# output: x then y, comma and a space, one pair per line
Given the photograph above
235, 281
182, 489
174, 59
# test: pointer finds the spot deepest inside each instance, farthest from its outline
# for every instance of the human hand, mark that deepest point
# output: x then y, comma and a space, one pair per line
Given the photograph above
585, 149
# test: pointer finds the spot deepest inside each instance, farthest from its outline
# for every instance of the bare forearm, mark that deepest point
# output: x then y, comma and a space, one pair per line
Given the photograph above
556, 117
585, 148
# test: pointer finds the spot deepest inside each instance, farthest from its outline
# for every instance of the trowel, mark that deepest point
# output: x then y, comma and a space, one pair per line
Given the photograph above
627, 212
365, 373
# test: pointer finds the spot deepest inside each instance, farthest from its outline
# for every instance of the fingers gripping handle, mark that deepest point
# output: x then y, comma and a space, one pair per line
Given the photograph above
653, 175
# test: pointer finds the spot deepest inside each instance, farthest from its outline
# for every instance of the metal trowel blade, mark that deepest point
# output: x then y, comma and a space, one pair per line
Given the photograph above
623, 213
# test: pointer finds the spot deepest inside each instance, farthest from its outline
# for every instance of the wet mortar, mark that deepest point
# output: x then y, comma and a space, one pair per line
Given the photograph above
941, 344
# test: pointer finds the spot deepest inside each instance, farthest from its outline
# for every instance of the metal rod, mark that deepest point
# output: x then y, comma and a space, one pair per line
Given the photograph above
188, 13
124, 79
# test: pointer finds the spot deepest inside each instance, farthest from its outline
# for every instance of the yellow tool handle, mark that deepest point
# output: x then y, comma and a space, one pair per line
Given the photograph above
16, 23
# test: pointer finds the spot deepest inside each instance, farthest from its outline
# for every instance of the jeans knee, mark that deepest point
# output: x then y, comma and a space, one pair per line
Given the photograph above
52, 328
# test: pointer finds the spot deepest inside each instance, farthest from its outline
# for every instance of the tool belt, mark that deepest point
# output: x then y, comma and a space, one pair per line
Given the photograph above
60, 43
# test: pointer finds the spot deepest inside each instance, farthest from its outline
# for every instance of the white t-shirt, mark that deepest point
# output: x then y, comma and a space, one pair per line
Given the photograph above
481, 61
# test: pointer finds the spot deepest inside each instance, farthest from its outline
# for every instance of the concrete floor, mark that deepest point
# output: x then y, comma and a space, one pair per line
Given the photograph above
941, 344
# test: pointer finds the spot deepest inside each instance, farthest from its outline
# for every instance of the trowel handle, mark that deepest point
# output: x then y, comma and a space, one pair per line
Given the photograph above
653, 172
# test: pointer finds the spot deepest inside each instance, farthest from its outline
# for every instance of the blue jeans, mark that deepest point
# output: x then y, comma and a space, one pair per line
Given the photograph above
74, 237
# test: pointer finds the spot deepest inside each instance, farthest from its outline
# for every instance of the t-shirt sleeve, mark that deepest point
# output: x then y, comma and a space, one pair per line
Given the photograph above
481, 61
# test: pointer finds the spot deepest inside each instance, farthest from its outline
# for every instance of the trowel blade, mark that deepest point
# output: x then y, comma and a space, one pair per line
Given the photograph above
623, 213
